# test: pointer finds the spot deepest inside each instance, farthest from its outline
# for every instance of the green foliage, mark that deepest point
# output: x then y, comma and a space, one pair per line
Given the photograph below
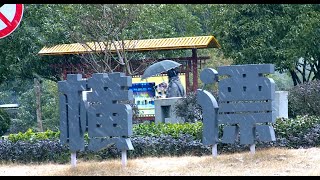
175, 130
42, 151
284, 128
5, 97
53, 151
302, 131
32, 136
41, 25
280, 34
155, 140
268, 33
5, 122
304, 99
143, 129
282, 80
50, 105
188, 108
165, 21
295, 126
26, 115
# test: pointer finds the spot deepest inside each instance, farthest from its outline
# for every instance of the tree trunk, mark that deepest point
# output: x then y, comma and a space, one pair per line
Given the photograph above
317, 70
37, 90
295, 78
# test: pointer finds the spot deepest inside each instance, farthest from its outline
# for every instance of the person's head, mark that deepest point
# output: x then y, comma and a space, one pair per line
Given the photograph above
173, 72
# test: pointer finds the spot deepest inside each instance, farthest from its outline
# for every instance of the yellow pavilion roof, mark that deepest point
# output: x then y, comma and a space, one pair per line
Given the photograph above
196, 42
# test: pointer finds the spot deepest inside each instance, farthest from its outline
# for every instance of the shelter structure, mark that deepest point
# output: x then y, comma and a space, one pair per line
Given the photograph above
189, 66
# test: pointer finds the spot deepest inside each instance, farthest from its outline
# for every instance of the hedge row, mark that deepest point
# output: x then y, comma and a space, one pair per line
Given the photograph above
304, 99
283, 128
53, 151
292, 133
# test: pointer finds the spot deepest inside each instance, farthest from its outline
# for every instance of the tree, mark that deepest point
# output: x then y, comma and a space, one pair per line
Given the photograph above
26, 115
111, 24
5, 121
41, 25
102, 32
167, 21
283, 34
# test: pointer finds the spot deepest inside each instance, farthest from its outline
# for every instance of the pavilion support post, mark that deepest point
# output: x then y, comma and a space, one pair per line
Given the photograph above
194, 70
187, 73
64, 73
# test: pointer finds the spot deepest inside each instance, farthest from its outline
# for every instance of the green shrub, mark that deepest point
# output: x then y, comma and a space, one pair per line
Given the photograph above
29, 135
188, 108
35, 151
155, 140
295, 126
53, 151
5, 122
304, 99
284, 128
143, 129
174, 130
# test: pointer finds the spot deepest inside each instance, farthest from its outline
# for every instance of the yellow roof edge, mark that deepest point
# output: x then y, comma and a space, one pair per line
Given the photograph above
215, 40
77, 48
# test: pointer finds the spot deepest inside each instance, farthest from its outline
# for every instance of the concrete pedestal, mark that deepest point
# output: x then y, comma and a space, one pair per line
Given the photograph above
281, 104
164, 110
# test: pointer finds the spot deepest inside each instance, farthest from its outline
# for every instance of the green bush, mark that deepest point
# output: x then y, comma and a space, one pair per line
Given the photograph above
188, 108
155, 140
304, 99
5, 122
174, 130
143, 129
36, 151
284, 128
53, 151
295, 126
31, 136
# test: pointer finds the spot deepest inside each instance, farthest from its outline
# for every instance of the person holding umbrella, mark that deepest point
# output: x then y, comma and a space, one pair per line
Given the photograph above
175, 88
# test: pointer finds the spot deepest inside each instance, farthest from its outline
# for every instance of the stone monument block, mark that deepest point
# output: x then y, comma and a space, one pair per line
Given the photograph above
164, 110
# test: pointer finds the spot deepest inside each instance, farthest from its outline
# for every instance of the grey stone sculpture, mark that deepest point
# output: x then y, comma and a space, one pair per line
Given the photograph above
209, 107
246, 104
72, 111
107, 117
109, 121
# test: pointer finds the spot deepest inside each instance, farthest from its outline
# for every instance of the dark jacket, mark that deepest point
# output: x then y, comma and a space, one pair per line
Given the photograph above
175, 88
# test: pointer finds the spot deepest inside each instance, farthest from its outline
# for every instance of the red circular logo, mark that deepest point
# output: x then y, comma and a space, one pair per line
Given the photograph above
10, 17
